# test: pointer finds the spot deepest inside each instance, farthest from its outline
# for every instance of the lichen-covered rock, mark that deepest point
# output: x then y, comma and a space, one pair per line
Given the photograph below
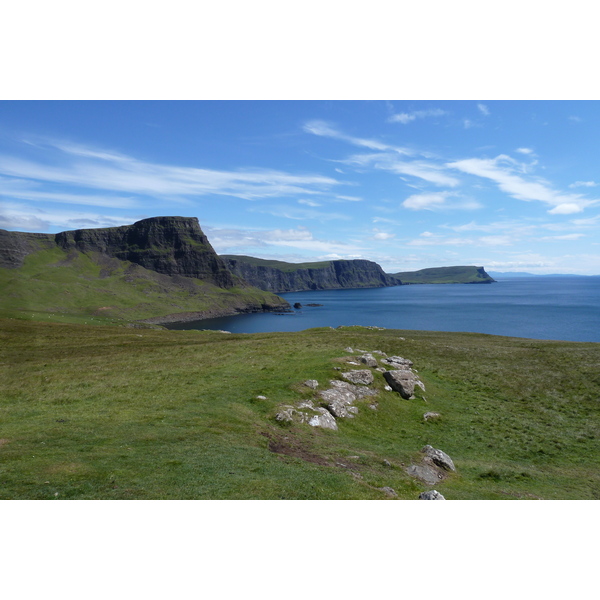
313, 384
397, 362
369, 360
389, 491
339, 402
430, 416
431, 495
324, 419
360, 391
425, 473
440, 458
402, 382
362, 377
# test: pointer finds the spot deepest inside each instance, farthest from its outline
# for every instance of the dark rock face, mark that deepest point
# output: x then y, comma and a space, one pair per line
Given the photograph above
168, 245
332, 275
16, 245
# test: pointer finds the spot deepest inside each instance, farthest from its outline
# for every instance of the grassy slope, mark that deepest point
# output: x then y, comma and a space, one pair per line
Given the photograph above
277, 264
55, 286
104, 412
461, 274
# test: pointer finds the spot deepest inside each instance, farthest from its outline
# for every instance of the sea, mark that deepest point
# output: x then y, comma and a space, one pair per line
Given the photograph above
563, 308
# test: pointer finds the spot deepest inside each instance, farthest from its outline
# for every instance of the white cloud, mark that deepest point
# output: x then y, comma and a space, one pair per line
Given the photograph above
575, 119
90, 168
226, 241
483, 109
583, 184
500, 170
524, 150
406, 118
308, 202
321, 128
23, 217
567, 237
427, 171
439, 200
381, 235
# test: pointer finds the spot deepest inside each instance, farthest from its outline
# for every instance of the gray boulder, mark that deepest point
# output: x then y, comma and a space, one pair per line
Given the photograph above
339, 402
426, 474
397, 362
431, 495
324, 419
313, 384
440, 458
363, 377
402, 382
369, 360
360, 391
389, 491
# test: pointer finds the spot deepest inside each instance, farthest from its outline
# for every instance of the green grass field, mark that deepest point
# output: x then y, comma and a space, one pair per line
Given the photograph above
103, 412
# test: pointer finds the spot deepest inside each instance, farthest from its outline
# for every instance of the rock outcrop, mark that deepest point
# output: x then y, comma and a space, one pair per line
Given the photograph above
278, 276
168, 245
431, 495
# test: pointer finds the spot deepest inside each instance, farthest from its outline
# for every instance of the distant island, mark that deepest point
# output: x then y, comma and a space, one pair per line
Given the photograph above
460, 274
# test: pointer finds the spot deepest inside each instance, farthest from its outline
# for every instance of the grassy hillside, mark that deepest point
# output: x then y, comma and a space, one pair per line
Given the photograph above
107, 412
460, 274
286, 267
56, 285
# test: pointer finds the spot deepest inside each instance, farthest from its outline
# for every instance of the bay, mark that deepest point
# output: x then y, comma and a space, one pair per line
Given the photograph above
551, 308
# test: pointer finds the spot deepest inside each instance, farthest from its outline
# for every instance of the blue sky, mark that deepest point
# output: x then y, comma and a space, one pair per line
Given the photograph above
510, 185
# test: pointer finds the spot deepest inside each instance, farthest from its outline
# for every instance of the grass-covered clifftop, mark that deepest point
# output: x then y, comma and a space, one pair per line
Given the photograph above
159, 269
459, 274
118, 413
278, 276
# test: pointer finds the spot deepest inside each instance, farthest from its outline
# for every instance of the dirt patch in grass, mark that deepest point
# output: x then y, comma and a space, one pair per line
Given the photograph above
3, 442
286, 445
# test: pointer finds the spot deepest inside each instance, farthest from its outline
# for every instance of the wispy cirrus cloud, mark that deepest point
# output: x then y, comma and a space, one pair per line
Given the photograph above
501, 170
425, 170
439, 201
483, 109
409, 117
90, 168
25, 217
230, 240
324, 129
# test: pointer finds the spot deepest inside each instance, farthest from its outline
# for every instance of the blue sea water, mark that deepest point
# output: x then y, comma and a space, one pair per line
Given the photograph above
552, 308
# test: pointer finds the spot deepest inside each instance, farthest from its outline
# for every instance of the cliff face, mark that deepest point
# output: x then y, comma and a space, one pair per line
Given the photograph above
167, 245
159, 269
277, 277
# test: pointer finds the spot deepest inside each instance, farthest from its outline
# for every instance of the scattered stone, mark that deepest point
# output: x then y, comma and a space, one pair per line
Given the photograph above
378, 352
381, 369
339, 402
389, 491
402, 382
440, 458
386, 462
363, 377
297, 305
369, 360
313, 384
359, 391
261, 397
348, 349
354, 363
388, 388
431, 495
426, 474
397, 362
325, 419
428, 416
306, 404
373, 406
